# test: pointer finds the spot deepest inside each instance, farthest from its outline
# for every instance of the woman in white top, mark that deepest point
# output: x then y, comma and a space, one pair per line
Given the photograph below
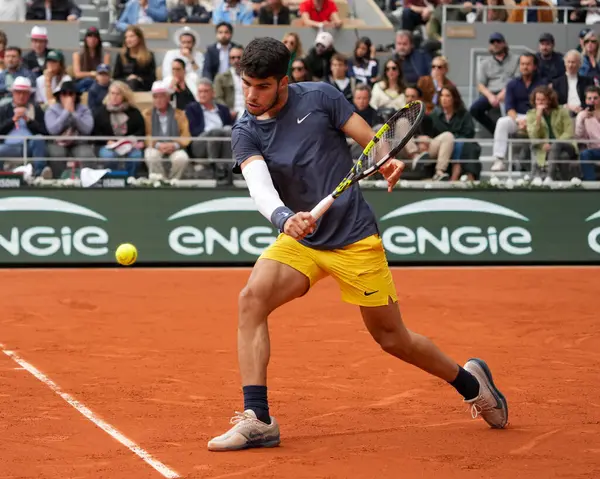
53, 77
389, 92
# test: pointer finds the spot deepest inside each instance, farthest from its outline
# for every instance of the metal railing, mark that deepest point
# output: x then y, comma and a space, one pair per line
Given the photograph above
483, 9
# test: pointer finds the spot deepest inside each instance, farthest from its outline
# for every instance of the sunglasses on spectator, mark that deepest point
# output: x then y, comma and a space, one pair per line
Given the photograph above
391, 68
236, 57
297, 69
495, 41
590, 41
438, 66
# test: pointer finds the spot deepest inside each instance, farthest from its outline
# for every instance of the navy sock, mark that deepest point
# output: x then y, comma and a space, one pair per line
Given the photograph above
255, 398
466, 384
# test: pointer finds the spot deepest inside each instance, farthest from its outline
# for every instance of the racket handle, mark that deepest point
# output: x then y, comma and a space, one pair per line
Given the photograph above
322, 207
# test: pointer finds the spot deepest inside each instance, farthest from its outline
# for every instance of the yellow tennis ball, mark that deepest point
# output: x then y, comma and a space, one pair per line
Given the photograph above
126, 254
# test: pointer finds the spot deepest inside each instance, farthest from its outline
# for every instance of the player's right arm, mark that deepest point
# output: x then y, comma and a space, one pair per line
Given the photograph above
267, 199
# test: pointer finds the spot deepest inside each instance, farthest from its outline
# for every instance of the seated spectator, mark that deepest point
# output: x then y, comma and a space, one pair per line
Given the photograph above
228, 86
493, 75
54, 76
142, 12
362, 65
190, 11
216, 59
319, 57
54, 10
492, 14
582, 33
233, 12
3, 43
12, 11
274, 13
35, 60
119, 117
571, 86
23, 118
415, 63
68, 117
99, 88
210, 119
547, 121
550, 63
518, 94
135, 65
451, 116
320, 14
434, 24
415, 13
162, 120
86, 62
545, 14
389, 92
587, 127
188, 42
182, 84
591, 56
432, 85
339, 78
13, 69
292, 41
300, 71
361, 100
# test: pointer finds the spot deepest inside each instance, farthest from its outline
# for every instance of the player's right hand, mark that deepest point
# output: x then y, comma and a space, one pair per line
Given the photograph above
299, 225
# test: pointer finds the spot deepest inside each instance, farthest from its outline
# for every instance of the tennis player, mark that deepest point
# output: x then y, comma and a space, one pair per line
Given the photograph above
291, 148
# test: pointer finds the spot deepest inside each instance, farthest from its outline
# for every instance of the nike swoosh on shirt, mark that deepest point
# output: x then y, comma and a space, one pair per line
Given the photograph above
301, 120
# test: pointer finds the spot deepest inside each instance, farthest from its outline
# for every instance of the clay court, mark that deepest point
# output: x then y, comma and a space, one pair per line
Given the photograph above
152, 353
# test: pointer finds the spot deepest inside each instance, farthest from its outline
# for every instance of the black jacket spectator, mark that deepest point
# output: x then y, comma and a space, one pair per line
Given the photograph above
195, 116
30, 62
135, 124
36, 126
147, 72
550, 68
96, 95
266, 17
319, 65
561, 86
369, 114
212, 60
60, 9
199, 14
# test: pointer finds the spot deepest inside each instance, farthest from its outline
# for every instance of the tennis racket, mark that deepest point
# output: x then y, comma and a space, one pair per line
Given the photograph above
385, 145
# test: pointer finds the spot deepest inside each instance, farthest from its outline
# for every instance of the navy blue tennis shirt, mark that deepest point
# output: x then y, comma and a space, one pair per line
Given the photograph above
307, 155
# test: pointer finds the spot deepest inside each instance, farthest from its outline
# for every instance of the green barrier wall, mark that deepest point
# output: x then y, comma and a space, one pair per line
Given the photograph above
223, 226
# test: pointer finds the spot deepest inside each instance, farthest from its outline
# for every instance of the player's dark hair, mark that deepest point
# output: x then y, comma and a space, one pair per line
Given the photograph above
265, 57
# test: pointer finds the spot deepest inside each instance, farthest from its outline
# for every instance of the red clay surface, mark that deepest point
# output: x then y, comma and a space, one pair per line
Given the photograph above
152, 352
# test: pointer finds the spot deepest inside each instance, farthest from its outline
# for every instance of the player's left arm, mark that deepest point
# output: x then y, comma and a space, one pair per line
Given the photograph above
360, 131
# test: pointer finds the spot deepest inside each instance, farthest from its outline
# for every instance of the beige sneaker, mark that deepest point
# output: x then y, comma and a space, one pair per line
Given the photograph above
247, 432
491, 404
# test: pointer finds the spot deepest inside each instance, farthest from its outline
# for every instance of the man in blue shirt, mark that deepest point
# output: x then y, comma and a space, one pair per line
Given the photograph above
290, 145
518, 92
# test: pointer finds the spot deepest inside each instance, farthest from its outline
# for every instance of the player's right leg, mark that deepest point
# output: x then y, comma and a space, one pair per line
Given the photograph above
284, 272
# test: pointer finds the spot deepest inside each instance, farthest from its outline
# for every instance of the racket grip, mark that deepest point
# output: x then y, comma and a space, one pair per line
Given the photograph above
322, 207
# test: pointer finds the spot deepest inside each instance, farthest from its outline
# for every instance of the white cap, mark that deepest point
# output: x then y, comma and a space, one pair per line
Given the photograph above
160, 87
186, 31
39, 33
21, 84
325, 39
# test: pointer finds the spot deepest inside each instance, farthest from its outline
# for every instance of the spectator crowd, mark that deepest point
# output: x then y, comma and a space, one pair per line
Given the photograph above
196, 93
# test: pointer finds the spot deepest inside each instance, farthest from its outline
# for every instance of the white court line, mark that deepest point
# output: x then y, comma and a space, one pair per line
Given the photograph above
110, 430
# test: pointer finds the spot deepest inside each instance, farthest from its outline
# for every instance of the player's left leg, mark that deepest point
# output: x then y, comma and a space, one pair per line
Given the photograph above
365, 279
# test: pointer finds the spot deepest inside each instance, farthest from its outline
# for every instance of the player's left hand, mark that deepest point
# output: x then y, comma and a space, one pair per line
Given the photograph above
391, 171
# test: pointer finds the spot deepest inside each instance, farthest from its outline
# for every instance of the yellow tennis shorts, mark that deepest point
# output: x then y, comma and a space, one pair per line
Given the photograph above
360, 269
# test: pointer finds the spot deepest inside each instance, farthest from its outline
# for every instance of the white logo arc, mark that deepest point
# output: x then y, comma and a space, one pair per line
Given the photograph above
593, 216
37, 204
467, 205
300, 121
213, 206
